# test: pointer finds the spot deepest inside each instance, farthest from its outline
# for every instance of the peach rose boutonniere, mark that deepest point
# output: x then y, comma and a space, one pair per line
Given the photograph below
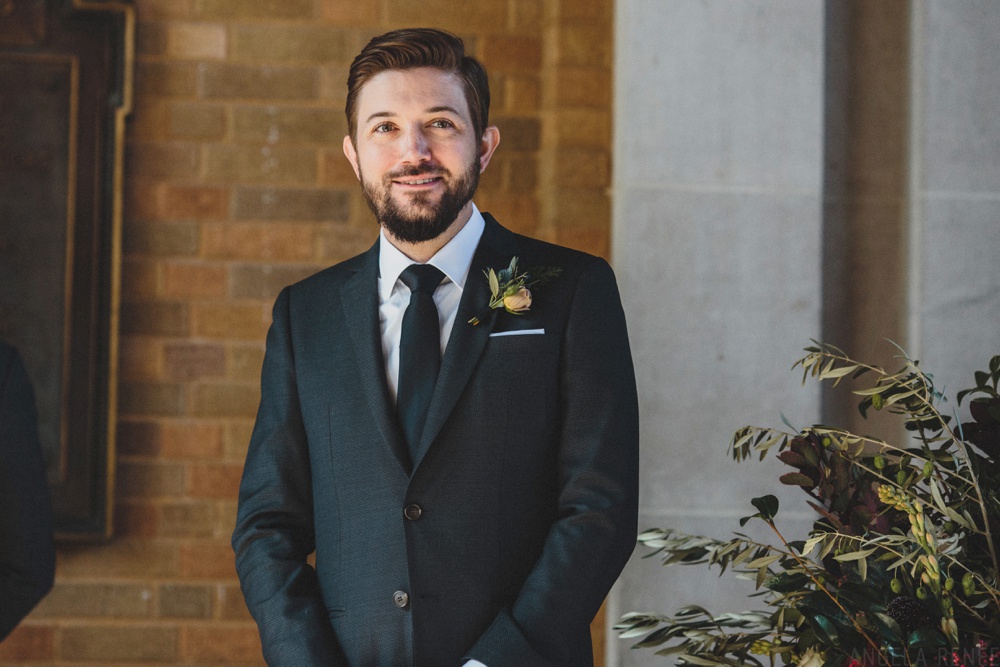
509, 288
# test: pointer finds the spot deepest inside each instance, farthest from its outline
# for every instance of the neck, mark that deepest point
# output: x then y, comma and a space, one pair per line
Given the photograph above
424, 250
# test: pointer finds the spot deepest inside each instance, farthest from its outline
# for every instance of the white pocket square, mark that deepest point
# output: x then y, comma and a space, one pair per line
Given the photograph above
520, 332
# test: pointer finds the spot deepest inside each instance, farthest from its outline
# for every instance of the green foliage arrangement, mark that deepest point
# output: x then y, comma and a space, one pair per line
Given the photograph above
900, 567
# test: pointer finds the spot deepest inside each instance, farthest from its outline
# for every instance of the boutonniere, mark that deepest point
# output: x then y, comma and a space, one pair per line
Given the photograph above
509, 288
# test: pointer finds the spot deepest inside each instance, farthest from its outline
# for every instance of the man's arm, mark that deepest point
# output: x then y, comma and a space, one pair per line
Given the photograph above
274, 529
27, 553
598, 443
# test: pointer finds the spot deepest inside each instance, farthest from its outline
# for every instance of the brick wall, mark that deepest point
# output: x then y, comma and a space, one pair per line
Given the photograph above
235, 187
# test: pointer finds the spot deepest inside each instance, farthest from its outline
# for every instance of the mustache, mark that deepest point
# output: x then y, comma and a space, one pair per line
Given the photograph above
426, 168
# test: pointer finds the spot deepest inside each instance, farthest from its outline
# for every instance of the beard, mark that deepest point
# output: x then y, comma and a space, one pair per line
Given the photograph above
418, 220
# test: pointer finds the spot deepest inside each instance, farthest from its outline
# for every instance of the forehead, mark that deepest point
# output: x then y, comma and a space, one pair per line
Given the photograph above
413, 90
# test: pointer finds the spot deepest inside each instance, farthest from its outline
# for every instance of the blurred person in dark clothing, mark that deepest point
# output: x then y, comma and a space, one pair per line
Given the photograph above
27, 552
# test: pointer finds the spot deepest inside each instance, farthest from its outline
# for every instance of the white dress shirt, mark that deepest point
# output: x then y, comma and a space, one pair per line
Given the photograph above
454, 260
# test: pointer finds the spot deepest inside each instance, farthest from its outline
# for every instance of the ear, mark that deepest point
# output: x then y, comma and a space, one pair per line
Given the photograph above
488, 144
352, 155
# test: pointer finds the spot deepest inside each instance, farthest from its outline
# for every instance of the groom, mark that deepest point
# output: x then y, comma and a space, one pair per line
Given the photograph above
464, 465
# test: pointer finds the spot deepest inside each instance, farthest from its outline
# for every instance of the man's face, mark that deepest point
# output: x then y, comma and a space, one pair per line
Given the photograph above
416, 152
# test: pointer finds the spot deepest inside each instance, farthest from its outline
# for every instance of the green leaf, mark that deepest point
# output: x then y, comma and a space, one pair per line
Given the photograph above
926, 638
825, 629
797, 479
767, 506
494, 283
855, 555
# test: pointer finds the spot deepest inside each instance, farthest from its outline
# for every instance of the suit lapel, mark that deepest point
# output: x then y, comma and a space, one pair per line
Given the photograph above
467, 342
359, 296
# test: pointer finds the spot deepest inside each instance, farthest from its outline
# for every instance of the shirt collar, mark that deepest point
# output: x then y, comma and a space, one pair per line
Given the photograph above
454, 259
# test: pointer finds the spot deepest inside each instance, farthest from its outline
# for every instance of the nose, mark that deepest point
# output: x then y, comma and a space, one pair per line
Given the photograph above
416, 148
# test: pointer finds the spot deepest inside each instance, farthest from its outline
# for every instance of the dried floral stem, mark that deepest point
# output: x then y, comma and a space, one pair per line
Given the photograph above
805, 568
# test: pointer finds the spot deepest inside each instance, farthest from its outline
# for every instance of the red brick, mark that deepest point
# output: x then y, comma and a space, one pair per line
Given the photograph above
150, 39
520, 133
138, 438
191, 281
584, 87
339, 12
286, 242
150, 479
339, 242
222, 644
198, 202
107, 643
230, 603
141, 199
584, 44
123, 558
140, 281
184, 601
237, 439
225, 400
582, 168
195, 41
277, 43
245, 362
139, 359
218, 80
150, 160
521, 94
289, 125
457, 17
150, 398
162, 9
187, 519
158, 319
137, 519
208, 560
86, 600
336, 170
192, 361
254, 9
254, 281
527, 16
268, 203
166, 79
191, 440
231, 321
29, 642
214, 480
194, 120
508, 52
582, 127
285, 165
175, 239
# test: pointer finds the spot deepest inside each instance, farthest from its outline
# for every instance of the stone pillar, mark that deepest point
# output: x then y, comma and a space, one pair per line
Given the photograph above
955, 189
717, 199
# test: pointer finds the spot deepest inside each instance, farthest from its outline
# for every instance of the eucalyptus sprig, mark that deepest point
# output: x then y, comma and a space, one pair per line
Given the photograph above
901, 559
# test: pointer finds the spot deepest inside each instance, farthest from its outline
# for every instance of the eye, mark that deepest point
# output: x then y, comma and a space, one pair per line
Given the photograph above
382, 128
442, 123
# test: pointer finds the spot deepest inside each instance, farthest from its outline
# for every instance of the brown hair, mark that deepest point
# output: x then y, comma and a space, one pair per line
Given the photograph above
420, 47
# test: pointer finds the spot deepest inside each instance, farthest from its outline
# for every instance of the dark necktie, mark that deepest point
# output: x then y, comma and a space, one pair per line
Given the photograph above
419, 352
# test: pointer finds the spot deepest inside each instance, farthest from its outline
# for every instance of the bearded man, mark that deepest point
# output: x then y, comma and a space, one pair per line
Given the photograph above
448, 422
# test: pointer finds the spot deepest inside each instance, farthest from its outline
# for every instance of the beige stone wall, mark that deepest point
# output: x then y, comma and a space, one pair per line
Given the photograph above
235, 187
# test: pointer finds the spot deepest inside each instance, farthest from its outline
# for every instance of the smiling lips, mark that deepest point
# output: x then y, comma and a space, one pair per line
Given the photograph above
418, 182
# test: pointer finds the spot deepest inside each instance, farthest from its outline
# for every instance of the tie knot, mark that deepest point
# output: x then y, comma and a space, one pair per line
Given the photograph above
422, 277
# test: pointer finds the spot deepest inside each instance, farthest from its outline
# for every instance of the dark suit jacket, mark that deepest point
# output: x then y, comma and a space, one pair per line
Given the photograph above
525, 485
27, 554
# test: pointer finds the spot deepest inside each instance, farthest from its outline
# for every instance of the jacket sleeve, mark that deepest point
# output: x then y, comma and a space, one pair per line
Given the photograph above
27, 552
274, 532
594, 535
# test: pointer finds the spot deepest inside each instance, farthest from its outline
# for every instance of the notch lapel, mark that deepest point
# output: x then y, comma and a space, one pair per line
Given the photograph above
467, 342
359, 296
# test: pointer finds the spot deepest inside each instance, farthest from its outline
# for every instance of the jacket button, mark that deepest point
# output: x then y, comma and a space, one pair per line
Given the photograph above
400, 599
412, 511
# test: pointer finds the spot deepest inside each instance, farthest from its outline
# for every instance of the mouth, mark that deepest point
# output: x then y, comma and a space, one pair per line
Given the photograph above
418, 182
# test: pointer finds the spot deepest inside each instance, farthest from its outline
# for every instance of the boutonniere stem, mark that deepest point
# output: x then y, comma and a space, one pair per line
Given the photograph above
509, 288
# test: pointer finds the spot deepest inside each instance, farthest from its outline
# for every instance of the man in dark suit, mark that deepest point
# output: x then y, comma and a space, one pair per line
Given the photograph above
470, 493
27, 554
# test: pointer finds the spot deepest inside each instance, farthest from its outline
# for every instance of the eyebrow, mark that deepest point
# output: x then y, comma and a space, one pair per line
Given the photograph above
390, 114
